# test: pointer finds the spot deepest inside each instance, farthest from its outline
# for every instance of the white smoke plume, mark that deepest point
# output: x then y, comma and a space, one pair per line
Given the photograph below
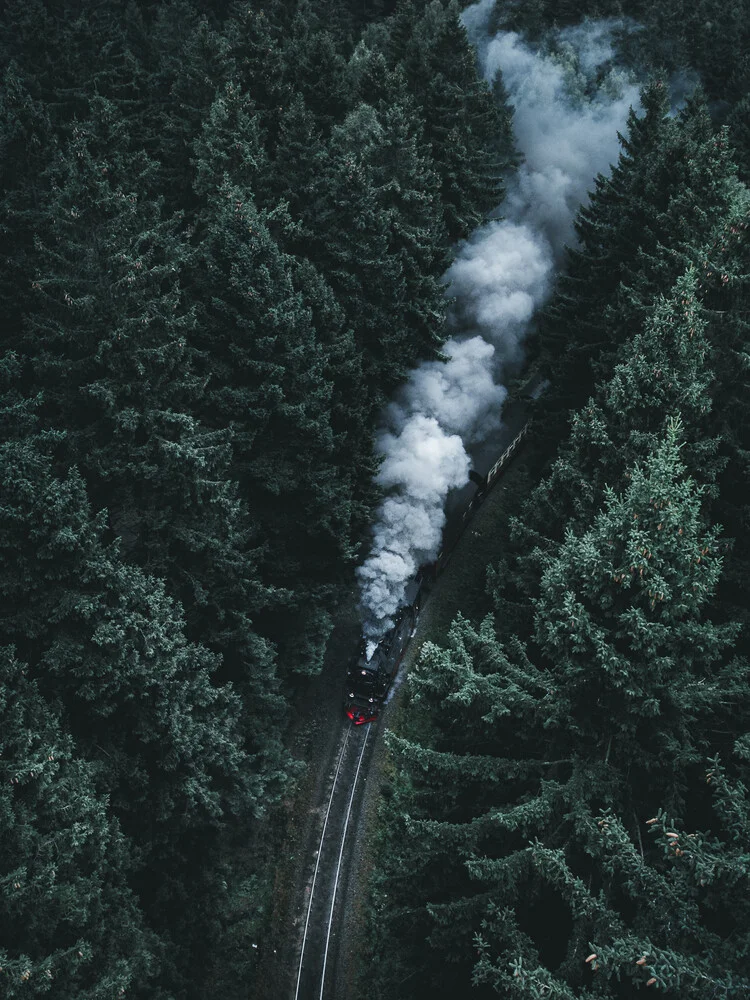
500, 277
565, 138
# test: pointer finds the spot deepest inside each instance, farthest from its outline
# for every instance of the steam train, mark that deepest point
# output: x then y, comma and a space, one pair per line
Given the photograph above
368, 681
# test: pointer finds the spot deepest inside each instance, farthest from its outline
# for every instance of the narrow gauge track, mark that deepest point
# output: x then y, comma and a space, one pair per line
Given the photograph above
331, 875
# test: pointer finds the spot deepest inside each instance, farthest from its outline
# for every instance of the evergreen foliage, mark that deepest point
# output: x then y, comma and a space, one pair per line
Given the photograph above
102, 639
571, 778
609, 710
64, 863
673, 184
664, 368
467, 131
222, 234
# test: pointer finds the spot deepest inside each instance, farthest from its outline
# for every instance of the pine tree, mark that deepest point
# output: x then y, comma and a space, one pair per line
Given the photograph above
620, 617
607, 234
669, 912
269, 378
406, 178
314, 68
614, 704
230, 144
181, 758
350, 412
27, 145
378, 241
351, 246
104, 640
298, 160
109, 334
69, 53
195, 65
739, 135
724, 288
257, 61
401, 30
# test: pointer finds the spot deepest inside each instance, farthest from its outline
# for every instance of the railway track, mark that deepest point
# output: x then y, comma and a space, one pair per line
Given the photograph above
316, 971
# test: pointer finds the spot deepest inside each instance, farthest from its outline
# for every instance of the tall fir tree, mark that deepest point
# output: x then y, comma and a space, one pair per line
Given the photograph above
467, 131
313, 66
181, 758
725, 291
667, 912
104, 640
614, 705
115, 373
27, 146
268, 377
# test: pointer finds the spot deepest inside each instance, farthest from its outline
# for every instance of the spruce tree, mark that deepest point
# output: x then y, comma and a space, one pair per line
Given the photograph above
298, 160
725, 290
113, 364
620, 616
671, 188
666, 911
314, 68
256, 57
664, 368
104, 640
378, 241
614, 704
194, 66
466, 129
230, 143
27, 145
69, 52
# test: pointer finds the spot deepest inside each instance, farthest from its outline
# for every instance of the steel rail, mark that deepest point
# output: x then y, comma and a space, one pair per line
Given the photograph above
317, 863
338, 866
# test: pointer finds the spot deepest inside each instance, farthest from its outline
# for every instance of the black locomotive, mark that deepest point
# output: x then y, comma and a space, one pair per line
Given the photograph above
367, 682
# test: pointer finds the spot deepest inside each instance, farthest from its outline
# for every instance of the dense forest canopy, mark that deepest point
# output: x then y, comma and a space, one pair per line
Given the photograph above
223, 234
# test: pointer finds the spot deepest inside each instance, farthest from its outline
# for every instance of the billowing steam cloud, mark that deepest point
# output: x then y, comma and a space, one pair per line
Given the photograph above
500, 277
